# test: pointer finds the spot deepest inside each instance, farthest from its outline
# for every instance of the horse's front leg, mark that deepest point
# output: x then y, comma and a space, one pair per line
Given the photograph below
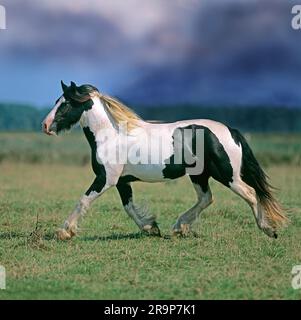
144, 221
98, 187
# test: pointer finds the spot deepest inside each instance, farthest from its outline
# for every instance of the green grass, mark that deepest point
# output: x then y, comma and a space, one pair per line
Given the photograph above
110, 259
70, 148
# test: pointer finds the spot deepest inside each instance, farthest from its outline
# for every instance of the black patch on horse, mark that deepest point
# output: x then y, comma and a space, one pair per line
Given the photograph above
127, 179
77, 100
69, 113
216, 160
125, 192
98, 168
201, 180
124, 188
174, 170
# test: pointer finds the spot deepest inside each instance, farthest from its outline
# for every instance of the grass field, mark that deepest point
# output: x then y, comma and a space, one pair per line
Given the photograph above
110, 259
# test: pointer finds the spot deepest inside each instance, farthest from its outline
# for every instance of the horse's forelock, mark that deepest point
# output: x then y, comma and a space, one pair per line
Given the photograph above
87, 89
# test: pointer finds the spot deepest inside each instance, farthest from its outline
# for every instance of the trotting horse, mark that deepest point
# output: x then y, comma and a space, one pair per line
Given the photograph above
226, 157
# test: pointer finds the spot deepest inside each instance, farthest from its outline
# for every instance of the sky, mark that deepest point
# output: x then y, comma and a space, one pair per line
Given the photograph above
229, 52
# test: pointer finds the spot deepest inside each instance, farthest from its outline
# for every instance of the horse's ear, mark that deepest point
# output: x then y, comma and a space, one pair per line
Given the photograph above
64, 87
75, 94
73, 86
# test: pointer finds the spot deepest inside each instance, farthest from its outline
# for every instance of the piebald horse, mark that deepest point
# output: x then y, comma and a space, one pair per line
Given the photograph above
225, 154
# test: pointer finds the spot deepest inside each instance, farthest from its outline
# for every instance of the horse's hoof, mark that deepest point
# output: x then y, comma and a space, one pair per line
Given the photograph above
152, 230
183, 231
270, 232
63, 234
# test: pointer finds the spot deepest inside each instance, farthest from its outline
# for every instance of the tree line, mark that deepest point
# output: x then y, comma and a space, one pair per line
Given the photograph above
16, 117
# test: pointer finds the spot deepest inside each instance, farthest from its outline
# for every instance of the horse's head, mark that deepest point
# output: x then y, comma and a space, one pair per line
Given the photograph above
68, 108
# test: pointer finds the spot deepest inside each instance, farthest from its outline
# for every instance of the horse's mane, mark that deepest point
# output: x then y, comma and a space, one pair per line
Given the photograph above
120, 112
117, 110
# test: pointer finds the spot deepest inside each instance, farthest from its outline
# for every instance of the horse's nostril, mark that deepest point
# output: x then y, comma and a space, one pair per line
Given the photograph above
45, 127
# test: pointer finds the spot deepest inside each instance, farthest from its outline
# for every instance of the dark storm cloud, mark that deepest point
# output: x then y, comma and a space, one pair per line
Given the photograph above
37, 33
233, 51
243, 53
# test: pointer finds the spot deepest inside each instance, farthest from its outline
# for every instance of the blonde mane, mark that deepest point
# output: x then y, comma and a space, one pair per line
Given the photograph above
120, 112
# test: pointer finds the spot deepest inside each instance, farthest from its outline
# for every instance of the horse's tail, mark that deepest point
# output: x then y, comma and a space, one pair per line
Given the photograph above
254, 176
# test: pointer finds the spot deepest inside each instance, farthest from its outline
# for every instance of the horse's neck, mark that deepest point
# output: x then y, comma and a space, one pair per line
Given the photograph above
96, 118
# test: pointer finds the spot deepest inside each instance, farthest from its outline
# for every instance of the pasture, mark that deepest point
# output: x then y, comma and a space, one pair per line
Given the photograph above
228, 258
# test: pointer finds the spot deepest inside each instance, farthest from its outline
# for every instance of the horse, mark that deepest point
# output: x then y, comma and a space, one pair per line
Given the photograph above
224, 155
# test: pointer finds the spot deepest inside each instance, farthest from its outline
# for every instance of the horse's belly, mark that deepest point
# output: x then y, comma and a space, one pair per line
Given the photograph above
145, 172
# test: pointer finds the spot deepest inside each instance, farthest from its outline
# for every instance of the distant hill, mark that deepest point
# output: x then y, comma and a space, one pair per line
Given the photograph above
20, 117
251, 119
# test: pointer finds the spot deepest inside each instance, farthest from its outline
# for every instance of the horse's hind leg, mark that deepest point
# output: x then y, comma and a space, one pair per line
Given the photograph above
141, 217
249, 195
204, 199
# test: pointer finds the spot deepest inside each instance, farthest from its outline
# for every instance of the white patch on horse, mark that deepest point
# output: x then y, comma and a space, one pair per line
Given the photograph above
50, 117
96, 118
156, 144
